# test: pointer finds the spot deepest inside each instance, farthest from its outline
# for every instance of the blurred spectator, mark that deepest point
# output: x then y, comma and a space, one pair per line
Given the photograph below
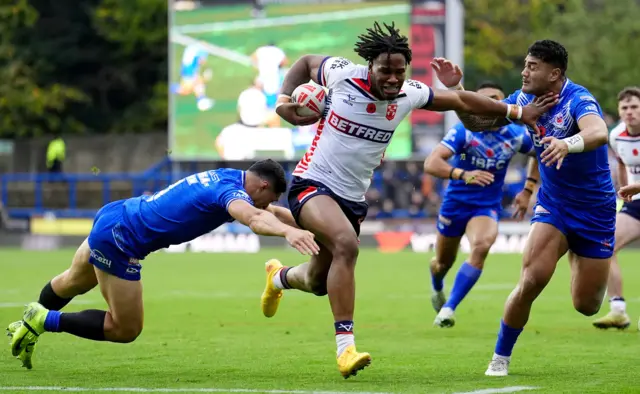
56, 151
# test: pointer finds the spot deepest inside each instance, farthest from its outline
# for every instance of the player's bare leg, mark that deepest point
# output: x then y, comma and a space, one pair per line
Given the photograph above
124, 320
627, 231
441, 263
588, 282
545, 246
310, 277
322, 216
482, 232
78, 279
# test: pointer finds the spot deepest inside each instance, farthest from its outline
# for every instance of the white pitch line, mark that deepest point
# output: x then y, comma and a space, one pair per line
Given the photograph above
174, 390
511, 389
213, 49
244, 24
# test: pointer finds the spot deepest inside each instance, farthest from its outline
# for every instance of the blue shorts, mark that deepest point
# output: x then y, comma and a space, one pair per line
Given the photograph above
589, 231
454, 216
108, 246
632, 209
271, 100
302, 190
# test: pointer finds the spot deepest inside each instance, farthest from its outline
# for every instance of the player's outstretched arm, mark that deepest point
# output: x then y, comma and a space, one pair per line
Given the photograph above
304, 69
479, 115
265, 223
481, 112
436, 165
283, 214
593, 134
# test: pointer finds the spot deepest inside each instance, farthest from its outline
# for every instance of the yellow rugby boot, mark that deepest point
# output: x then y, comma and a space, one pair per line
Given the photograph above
613, 320
30, 329
25, 356
350, 361
26, 334
271, 295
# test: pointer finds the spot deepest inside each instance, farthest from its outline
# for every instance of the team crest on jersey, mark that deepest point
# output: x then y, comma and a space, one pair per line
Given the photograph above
391, 111
558, 121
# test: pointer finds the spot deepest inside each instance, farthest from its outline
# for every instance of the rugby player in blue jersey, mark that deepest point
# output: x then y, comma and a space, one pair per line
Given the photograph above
126, 231
472, 200
576, 202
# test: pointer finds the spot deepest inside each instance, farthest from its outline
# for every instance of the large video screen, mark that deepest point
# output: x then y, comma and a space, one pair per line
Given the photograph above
228, 62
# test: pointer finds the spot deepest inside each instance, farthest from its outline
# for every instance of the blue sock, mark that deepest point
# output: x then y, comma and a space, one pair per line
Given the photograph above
52, 322
437, 283
465, 279
507, 338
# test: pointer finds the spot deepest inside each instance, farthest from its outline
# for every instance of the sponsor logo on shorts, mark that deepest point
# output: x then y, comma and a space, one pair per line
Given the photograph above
540, 210
132, 270
99, 257
133, 261
443, 220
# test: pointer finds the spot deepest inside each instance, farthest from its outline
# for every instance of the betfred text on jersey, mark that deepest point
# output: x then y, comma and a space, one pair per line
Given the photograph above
357, 130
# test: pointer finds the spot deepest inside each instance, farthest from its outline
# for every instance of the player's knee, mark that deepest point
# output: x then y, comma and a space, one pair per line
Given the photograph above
126, 332
444, 262
481, 246
317, 282
531, 284
345, 247
318, 287
587, 307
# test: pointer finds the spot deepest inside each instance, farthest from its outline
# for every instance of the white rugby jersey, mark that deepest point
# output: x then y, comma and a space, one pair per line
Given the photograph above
355, 129
627, 148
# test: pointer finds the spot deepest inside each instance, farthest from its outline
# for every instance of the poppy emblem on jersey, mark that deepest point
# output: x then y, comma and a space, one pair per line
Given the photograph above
489, 152
635, 152
371, 108
543, 130
391, 111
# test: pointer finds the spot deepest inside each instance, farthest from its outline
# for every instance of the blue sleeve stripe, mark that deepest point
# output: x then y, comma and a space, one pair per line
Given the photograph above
451, 148
588, 113
234, 199
320, 75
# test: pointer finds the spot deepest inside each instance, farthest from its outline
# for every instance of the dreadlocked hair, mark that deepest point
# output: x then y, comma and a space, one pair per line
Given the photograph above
377, 42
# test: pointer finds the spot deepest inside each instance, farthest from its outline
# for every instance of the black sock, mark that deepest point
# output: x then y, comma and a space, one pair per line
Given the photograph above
50, 300
87, 324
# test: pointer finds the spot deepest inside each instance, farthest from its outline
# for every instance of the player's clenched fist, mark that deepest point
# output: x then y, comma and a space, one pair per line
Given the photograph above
303, 241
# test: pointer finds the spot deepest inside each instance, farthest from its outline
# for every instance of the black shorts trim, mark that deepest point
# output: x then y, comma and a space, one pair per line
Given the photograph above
302, 190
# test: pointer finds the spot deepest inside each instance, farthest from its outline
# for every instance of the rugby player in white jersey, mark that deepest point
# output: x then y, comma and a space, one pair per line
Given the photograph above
625, 142
364, 106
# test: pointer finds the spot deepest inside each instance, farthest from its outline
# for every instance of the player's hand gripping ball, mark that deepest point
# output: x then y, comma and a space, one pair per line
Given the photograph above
312, 97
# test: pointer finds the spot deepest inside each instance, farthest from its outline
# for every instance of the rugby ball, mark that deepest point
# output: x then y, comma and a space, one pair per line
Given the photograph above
312, 97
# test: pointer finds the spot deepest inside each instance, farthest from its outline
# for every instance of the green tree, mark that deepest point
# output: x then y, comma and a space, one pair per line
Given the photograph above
138, 30
602, 38
498, 32
28, 107
98, 66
